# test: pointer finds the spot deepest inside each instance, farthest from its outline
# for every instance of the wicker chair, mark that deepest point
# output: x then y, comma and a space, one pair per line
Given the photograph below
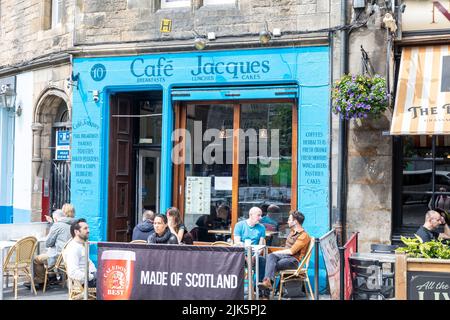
58, 268
76, 290
20, 259
301, 273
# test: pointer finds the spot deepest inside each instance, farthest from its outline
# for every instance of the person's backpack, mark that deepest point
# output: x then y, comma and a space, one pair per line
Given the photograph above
187, 238
293, 289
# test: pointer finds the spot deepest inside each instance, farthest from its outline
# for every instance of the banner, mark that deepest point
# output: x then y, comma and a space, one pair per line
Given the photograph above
328, 244
176, 272
349, 248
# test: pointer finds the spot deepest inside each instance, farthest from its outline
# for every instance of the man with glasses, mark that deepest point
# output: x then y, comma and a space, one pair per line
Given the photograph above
432, 221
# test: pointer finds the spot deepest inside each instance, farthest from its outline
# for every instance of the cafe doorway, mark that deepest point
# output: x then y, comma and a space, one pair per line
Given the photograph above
225, 186
134, 160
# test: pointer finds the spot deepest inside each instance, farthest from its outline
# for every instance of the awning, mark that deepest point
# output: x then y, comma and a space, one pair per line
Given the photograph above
422, 104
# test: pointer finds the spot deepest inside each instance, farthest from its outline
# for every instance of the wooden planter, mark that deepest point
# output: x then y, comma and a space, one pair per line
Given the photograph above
421, 279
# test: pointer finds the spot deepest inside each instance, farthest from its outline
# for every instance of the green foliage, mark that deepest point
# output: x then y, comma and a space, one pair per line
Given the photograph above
360, 95
416, 248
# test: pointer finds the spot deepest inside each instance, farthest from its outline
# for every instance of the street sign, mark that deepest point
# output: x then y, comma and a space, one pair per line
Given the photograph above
62, 151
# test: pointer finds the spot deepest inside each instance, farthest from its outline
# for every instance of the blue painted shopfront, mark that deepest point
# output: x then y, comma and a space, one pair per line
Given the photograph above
306, 68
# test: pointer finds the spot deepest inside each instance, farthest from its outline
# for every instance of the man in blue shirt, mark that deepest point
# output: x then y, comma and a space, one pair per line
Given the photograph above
250, 229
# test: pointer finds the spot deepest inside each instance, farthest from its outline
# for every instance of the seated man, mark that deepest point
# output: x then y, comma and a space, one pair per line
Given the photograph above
143, 230
297, 244
57, 237
432, 221
250, 229
74, 254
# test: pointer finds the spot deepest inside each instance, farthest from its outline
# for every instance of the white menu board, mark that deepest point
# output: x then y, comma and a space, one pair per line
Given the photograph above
198, 195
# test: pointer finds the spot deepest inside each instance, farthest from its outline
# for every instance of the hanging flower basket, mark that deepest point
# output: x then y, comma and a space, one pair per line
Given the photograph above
359, 96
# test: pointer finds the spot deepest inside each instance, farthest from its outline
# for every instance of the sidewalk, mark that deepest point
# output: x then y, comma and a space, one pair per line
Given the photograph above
57, 292
53, 292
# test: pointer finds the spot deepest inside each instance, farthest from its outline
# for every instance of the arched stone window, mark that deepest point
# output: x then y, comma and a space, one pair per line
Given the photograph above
51, 177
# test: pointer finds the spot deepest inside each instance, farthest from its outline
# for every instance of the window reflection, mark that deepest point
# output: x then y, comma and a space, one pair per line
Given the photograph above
256, 188
419, 166
212, 160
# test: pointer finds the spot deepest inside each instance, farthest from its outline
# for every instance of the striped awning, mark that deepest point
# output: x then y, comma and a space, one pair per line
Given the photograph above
422, 104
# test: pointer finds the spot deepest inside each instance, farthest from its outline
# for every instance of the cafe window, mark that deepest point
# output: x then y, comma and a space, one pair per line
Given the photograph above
175, 3
238, 155
421, 179
218, 2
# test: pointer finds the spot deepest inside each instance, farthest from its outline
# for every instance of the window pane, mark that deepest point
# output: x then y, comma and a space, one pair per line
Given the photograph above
257, 185
209, 164
218, 2
175, 3
443, 147
417, 146
417, 176
150, 125
414, 213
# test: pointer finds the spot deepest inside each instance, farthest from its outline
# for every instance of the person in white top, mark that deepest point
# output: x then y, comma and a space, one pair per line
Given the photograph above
74, 254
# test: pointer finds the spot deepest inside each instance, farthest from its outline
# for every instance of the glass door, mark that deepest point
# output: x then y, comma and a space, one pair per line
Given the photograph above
231, 156
148, 182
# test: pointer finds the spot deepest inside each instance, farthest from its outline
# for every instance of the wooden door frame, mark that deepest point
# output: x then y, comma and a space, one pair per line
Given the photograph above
179, 172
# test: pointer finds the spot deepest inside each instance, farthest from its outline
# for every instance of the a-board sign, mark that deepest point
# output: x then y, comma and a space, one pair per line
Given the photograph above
328, 244
428, 285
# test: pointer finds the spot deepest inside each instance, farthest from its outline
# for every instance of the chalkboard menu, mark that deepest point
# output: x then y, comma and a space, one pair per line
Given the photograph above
428, 285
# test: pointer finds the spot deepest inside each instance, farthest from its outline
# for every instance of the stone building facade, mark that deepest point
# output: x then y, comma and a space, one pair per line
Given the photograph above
42, 45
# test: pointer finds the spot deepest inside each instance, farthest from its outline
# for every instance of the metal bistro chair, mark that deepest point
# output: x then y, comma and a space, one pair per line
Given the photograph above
367, 280
20, 259
301, 273
385, 249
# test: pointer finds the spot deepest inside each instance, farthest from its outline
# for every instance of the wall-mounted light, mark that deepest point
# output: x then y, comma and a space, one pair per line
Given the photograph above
265, 35
7, 97
199, 43
73, 80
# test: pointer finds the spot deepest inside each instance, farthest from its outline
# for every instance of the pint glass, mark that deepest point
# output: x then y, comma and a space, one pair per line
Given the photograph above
117, 277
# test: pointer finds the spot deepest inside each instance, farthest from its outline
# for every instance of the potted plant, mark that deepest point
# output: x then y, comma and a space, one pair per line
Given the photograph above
358, 96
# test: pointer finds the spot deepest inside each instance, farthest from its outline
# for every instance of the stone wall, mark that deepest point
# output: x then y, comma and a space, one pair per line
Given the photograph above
369, 152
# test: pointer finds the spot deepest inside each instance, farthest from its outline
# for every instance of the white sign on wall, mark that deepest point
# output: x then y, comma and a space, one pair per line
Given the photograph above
62, 151
198, 195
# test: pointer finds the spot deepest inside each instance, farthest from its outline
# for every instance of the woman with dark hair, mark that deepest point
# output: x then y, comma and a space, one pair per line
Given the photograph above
162, 234
177, 227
